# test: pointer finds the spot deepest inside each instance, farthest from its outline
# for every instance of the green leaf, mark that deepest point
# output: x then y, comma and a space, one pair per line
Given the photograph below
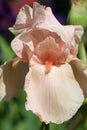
77, 14
6, 50
82, 53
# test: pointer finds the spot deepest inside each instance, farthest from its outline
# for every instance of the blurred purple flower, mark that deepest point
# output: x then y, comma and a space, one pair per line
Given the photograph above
48, 3
61, 18
6, 15
7, 18
59, 8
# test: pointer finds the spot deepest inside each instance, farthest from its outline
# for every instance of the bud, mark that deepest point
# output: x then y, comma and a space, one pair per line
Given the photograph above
78, 13
82, 53
85, 4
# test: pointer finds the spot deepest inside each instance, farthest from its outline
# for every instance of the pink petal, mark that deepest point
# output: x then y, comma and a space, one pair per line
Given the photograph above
19, 42
40, 23
49, 50
80, 72
27, 18
12, 76
50, 23
76, 33
38, 13
23, 20
42, 17
55, 96
37, 35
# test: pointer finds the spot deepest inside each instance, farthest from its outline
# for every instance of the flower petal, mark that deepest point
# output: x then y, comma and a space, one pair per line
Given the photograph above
52, 24
42, 17
41, 23
38, 13
55, 96
76, 32
37, 35
2, 86
19, 42
80, 72
49, 50
12, 75
23, 20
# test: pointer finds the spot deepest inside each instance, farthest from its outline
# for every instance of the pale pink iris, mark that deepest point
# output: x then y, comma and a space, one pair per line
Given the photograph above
46, 52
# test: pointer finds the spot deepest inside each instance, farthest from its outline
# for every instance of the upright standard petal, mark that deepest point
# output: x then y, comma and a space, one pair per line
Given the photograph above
41, 17
55, 96
23, 20
50, 50
80, 72
50, 23
12, 76
28, 17
42, 24
19, 42
38, 13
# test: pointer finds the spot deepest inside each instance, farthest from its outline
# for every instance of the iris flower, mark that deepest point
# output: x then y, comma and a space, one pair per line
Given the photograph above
46, 65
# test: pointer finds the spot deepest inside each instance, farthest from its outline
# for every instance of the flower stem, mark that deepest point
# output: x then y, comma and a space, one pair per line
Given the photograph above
76, 120
47, 127
44, 126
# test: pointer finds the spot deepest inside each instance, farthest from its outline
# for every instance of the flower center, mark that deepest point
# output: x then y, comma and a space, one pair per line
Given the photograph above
48, 65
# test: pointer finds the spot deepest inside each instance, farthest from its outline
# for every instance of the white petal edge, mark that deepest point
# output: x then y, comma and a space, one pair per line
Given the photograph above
54, 97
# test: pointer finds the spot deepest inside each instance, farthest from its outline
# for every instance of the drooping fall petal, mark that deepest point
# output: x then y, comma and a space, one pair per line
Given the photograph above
54, 96
80, 72
12, 76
